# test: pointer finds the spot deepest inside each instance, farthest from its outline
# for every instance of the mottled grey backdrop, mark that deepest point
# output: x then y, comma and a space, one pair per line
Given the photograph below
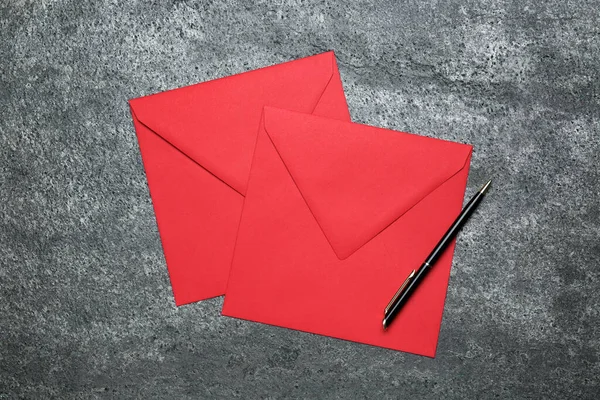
86, 309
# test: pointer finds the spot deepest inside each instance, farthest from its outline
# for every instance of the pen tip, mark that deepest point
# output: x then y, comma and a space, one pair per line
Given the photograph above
485, 187
384, 324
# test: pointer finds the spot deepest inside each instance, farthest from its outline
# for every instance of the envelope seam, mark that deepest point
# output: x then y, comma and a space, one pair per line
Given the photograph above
386, 226
237, 234
299, 191
422, 198
181, 151
326, 85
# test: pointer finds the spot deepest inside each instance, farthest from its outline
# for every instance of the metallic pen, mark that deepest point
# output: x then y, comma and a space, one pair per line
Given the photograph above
416, 275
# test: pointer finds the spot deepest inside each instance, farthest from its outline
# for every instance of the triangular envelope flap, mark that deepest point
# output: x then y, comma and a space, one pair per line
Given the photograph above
358, 179
215, 123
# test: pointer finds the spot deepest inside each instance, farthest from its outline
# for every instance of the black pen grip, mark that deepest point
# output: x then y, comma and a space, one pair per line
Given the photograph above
414, 279
403, 296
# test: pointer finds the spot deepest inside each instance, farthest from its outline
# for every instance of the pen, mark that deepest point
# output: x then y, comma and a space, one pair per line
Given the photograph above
416, 275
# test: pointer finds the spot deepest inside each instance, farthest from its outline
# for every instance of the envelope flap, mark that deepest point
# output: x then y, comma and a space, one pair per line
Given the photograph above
215, 123
358, 179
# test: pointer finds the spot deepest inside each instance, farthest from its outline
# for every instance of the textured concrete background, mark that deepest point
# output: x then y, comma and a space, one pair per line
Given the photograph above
86, 308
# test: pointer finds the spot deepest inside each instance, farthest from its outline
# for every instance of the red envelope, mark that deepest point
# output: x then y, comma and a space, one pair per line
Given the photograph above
197, 144
336, 215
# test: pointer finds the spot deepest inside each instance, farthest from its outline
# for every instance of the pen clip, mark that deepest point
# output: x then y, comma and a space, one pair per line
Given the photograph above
399, 292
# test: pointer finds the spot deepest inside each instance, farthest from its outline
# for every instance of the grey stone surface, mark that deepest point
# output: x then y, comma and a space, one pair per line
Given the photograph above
86, 309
